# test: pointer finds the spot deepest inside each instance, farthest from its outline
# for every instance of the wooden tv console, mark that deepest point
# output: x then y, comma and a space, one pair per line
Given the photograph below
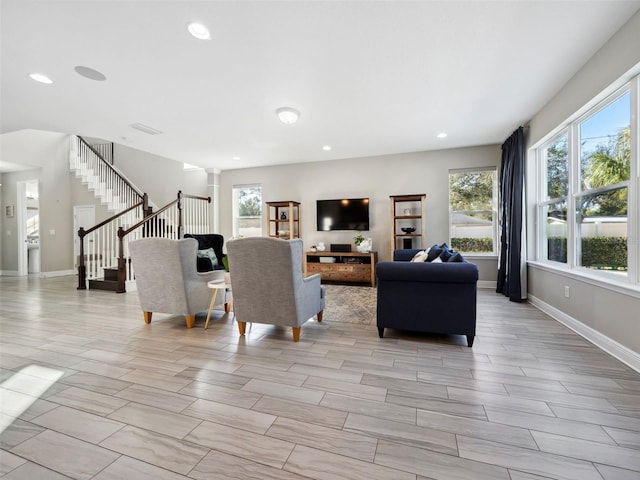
353, 267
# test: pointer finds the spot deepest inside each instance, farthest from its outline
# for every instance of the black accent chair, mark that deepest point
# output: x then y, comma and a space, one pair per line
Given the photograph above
206, 241
427, 297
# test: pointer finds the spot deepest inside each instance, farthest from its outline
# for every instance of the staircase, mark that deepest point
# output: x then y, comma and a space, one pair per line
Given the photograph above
103, 260
117, 194
108, 282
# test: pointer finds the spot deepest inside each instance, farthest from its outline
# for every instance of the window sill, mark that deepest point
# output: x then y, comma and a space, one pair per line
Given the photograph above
586, 277
476, 256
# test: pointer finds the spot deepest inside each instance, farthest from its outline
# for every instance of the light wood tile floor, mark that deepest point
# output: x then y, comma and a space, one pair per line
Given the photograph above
531, 400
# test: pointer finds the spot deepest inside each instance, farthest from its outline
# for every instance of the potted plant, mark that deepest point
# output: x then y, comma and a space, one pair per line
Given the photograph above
363, 245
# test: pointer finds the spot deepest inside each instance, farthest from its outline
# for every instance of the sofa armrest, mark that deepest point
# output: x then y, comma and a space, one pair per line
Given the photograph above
217, 275
204, 264
312, 279
451, 272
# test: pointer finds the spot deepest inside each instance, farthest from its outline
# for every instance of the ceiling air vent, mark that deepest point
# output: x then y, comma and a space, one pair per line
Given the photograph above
144, 128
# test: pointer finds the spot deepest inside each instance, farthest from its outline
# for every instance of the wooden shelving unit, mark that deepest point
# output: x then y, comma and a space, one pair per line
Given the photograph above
407, 211
283, 219
353, 267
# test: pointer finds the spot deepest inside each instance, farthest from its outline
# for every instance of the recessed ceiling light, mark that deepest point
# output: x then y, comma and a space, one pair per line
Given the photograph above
235, 158
90, 73
38, 77
326, 148
442, 135
288, 115
199, 31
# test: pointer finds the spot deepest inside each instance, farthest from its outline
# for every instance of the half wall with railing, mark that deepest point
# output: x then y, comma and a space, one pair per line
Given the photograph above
104, 248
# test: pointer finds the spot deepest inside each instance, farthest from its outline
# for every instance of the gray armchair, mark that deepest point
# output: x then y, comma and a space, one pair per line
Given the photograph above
167, 280
268, 285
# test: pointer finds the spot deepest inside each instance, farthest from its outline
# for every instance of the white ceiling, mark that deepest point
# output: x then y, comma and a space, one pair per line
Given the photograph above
369, 77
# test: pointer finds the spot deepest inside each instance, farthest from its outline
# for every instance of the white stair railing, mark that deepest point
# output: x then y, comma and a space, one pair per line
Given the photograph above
187, 211
107, 245
99, 244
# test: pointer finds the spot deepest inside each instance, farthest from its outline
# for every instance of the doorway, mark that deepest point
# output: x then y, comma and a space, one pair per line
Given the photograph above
28, 220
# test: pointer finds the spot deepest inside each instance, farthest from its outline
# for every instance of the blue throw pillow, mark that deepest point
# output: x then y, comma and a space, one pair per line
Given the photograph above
434, 252
456, 257
446, 254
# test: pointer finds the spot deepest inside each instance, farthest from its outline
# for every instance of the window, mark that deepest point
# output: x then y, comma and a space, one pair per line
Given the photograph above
247, 211
553, 208
586, 182
472, 210
602, 194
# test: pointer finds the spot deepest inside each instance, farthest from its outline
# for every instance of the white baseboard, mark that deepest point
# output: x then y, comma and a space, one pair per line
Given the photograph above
58, 273
487, 284
9, 273
622, 353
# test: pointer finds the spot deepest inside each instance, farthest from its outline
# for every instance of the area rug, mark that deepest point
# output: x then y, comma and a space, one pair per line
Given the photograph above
350, 304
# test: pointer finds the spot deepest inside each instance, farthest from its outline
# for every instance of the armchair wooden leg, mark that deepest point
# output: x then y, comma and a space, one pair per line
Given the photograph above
320, 315
242, 326
191, 320
296, 333
147, 317
227, 307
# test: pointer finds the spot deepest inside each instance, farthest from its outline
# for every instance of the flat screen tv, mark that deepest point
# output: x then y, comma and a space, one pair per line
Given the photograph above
343, 214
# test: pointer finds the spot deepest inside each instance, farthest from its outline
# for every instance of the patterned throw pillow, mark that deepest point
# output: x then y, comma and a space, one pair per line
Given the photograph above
210, 254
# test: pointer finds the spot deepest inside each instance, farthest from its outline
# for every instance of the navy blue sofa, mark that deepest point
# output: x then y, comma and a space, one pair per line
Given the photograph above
427, 297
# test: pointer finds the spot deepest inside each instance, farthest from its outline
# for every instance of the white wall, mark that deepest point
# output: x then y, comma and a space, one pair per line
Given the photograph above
374, 177
611, 313
160, 177
48, 154
612, 61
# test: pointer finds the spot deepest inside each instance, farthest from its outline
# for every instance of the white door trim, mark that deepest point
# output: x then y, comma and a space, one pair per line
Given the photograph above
21, 227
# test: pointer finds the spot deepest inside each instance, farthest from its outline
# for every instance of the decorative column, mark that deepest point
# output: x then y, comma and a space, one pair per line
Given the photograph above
213, 191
